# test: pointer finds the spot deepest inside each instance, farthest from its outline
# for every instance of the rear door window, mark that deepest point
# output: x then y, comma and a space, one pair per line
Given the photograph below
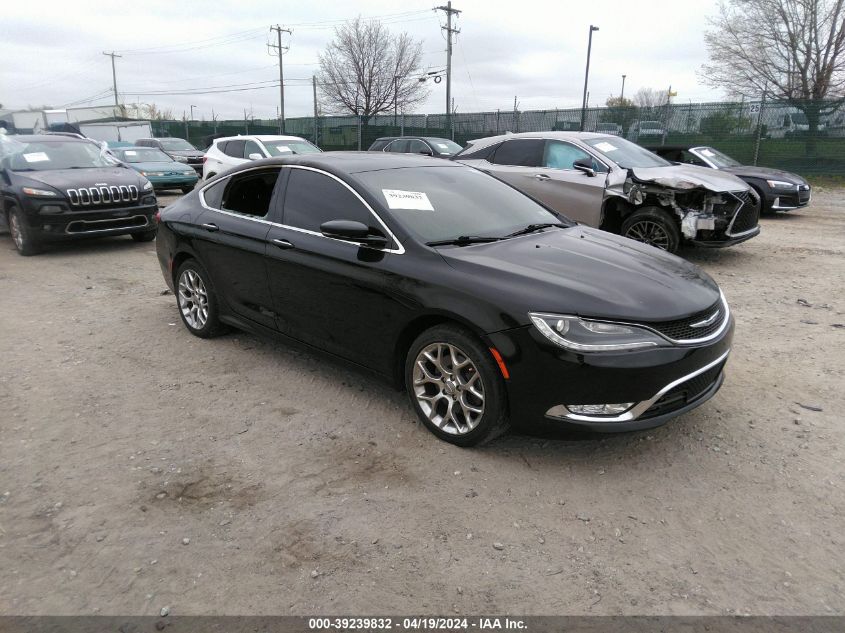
251, 147
399, 145
520, 152
235, 149
249, 193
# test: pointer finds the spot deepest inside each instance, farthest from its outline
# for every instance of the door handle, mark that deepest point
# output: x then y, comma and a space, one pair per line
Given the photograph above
542, 177
283, 244
211, 227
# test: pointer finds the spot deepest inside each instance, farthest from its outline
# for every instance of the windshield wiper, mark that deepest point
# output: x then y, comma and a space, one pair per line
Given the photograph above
531, 228
464, 239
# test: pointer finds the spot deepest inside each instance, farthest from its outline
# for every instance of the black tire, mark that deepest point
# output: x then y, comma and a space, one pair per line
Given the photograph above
25, 242
211, 326
654, 226
493, 419
765, 207
187, 190
146, 236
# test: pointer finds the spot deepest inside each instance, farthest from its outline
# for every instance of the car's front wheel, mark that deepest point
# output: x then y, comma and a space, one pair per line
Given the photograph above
145, 236
455, 386
198, 305
25, 242
653, 226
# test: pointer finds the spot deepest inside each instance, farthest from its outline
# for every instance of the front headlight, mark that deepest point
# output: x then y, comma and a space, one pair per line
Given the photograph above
44, 193
181, 159
582, 335
147, 186
780, 184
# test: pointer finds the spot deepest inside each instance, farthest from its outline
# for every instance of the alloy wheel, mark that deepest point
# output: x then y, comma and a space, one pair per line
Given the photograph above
448, 388
649, 232
193, 299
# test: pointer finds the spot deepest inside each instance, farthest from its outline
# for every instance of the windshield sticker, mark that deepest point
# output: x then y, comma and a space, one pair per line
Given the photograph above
442, 145
284, 148
706, 152
605, 147
412, 200
131, 152
36, 157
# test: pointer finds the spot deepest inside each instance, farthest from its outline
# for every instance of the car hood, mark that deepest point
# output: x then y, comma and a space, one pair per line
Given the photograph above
689, 177
586, 272
169, 166
764, 173
190, 153
63, 179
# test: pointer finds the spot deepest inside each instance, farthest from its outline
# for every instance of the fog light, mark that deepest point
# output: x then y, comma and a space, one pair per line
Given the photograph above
599, 409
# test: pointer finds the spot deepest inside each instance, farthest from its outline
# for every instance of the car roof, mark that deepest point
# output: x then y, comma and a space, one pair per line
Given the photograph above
259, 137
562, 136
671, 147
357, 162
49, 138
422, 138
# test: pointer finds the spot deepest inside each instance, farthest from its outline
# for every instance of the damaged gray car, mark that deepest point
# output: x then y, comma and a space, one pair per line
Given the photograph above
610, 183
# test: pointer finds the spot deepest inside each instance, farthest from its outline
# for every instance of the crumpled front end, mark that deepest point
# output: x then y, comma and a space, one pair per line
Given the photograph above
708, 215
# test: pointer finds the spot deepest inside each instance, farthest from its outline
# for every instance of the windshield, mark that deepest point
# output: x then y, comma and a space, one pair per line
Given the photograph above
143, 155
625, 153
716, 157
443, 203
176, 145
445, 146
283, 148
51, 155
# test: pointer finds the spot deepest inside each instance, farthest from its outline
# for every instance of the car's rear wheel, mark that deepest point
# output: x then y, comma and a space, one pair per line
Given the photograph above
25, 242
198, 305
146, 236
653, 226
455, 386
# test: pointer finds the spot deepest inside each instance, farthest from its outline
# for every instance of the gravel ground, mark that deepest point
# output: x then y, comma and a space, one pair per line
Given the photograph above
141, 467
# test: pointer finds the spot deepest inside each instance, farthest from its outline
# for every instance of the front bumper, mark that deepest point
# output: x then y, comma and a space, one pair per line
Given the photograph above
787, 200
52, 224
663, 383
728, 241
174, 182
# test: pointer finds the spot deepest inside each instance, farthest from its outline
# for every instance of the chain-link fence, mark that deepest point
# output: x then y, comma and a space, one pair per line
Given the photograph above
808, 138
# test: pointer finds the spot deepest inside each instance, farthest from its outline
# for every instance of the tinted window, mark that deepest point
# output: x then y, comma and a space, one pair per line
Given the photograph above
312, 198
458, 200
251, 147
399, 145
522, 152
378, 146
235, 149
250, 193
416, 146
213, 195
222, 145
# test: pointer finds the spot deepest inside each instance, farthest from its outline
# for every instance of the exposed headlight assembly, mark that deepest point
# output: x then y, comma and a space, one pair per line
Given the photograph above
780, 184
582, 335
43, 193
147, 186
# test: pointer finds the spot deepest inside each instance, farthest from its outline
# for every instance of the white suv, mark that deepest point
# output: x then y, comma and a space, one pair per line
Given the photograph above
230, 151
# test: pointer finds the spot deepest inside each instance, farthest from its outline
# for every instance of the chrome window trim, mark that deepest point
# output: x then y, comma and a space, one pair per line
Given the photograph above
638, 409
398, 251
694, 152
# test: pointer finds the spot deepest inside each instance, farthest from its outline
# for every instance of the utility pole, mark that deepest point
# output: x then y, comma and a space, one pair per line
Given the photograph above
449, 31
113, 74
622, 96
587, 76
278, 46
314, 86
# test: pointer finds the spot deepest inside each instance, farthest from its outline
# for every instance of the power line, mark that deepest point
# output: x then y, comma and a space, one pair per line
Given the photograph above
219, 40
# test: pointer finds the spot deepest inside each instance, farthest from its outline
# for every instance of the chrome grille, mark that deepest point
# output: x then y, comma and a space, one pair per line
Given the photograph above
747, 215
102, 195
702, 325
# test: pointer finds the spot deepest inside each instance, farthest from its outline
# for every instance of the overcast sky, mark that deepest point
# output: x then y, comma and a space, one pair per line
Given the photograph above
52, 51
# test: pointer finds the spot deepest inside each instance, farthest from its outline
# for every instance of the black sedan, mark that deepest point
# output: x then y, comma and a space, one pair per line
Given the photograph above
482, 304
426, 145
778, 190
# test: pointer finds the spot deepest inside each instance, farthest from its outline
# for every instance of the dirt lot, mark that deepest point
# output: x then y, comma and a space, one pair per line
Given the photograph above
142, 467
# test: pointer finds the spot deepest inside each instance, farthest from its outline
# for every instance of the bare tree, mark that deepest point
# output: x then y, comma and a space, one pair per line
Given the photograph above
650, 98
152, 112
366, 69
793, 49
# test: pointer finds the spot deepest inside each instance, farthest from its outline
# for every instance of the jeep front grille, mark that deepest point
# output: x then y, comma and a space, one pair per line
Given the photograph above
102, 195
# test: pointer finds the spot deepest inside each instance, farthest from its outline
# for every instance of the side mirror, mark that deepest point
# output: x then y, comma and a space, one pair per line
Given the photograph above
352, 231
255, 156
585, 165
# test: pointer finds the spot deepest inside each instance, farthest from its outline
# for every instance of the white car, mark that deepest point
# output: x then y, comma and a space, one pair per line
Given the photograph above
231, 151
